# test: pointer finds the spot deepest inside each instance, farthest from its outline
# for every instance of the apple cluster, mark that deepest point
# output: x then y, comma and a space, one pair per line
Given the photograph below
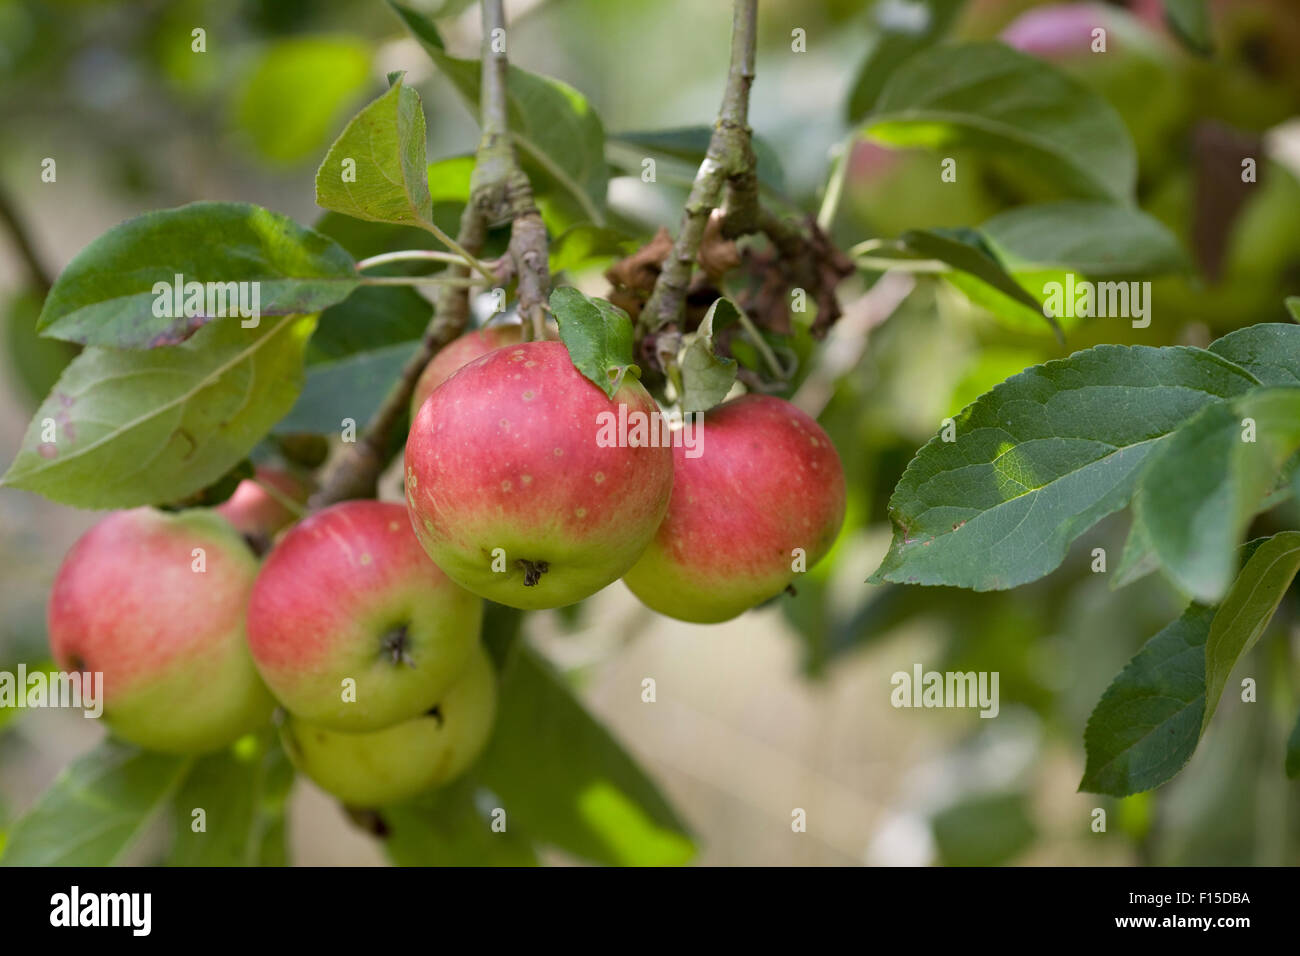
362, 624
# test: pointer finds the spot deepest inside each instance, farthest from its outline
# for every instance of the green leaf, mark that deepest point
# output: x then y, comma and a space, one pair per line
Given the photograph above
1190, 22
985, 830
567, 782
106, 294
706, 377
383, 147
96, 808
1040, 459
898, 33
990, 97
33, 361
296, 90
452, 826
146, 427
351, 387
1199, 491
691, 143
1099, 239
242, 792
587, 244
598, 336
559, 135
371, 318
1269, 351
966, 250
450, 179
1247, 611
1146, 726
1292, 303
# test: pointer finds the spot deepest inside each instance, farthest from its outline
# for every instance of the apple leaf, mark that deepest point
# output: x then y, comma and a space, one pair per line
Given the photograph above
1040, 459
559, 135
1292, 303
373, 317
967, 251
376, 169
350, 387
1146, 726
568, 783
897, 34
242, 792
1098, 239
1247, 610
146, 427
452, 826
992, 98
1200, 489
707, 377
1270, 351
96, 808
598, 336
106, 294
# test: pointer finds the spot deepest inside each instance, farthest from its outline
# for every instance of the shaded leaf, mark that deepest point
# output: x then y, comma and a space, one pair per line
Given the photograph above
96, 808
993, 98
106, 294
1270, 351
452, 826
350, 387
1040, 459
899, 32
986, 830
145, 427
1190, 22
691, 143
1198, 492
569, 784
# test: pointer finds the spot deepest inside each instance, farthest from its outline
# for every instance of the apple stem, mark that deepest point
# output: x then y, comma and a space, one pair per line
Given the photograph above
533, 571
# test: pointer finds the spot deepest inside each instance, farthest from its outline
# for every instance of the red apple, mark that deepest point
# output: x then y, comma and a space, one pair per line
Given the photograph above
513, 493
155, 602
368, 770
255, 512
352, 626
460, 353
768, 482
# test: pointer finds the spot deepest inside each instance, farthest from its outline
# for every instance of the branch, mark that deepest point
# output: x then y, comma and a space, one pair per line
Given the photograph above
26, 250
499, 192
728, 162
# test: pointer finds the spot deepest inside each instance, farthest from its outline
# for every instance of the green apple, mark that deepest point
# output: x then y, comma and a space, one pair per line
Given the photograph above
389, 765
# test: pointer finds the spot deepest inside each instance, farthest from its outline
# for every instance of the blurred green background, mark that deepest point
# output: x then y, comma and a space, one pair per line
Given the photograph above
788, 707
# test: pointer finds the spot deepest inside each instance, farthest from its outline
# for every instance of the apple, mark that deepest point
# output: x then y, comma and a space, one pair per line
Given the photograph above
255, 512
352, 626
155, 602
514, 489
372, 769
460, 353
768, 482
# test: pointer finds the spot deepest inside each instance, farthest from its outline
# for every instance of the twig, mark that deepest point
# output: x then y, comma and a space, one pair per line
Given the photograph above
26, 250
729, 161
499, 191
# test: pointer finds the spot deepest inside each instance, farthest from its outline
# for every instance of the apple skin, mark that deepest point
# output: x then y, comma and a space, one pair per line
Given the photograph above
252, 510
505, 455
169, 640
460, 353
768, 481
389, 765
349, 593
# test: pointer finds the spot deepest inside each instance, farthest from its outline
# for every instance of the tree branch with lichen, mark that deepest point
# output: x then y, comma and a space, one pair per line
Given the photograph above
499, 192
728, 163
